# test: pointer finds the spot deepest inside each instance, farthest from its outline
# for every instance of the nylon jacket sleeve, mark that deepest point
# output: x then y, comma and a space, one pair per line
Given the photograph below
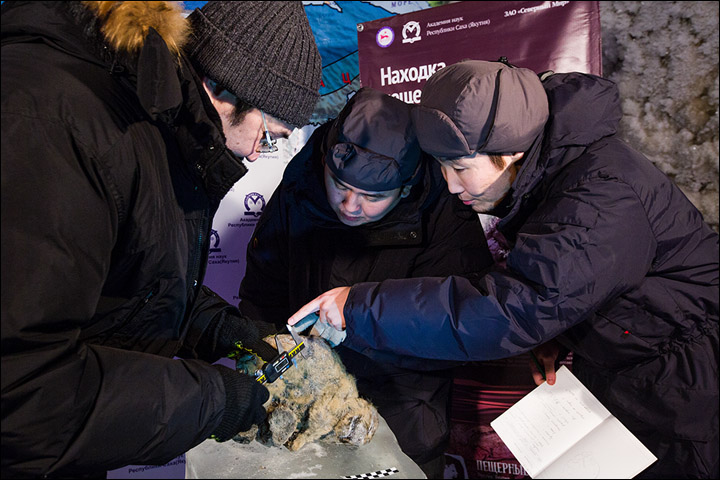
456, 245
565, 264
105, 407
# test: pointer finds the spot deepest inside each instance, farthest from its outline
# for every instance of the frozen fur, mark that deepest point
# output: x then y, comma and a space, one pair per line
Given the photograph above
314, 400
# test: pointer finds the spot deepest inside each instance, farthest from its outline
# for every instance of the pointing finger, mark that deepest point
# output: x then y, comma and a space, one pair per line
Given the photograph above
304, 311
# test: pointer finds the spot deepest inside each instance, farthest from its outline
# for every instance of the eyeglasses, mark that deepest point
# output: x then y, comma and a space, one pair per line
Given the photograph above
267, 143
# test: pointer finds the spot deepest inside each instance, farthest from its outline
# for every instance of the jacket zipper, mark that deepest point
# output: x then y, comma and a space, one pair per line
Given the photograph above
196, 258
142, 304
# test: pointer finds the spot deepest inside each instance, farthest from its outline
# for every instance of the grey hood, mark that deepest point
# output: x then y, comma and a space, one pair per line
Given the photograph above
475, 106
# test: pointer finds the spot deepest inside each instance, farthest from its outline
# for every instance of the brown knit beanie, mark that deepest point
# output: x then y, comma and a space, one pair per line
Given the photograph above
262, 52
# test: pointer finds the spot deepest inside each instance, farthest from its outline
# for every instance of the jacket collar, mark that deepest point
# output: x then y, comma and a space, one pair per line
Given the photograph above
583, 109
201, 141
166, 84
150, 65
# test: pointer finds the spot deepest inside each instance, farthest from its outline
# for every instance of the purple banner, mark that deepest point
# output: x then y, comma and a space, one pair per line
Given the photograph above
397, 54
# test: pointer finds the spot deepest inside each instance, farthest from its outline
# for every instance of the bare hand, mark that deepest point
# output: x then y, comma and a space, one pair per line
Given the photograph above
546, 355
329, 306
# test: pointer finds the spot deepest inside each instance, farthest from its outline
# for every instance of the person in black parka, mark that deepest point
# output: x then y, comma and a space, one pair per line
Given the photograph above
124, 124
608, 259
361, 203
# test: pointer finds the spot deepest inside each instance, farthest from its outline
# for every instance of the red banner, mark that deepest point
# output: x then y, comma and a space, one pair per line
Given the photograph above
397, 54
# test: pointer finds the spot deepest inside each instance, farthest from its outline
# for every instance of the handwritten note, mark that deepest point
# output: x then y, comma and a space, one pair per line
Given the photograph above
563, 431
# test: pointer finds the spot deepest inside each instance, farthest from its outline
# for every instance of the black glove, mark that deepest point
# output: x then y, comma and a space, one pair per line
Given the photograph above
258, 346
225, 331
244, 399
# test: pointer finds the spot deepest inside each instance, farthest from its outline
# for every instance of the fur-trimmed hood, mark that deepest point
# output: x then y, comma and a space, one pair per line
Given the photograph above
139, 41
125, 25
112, 32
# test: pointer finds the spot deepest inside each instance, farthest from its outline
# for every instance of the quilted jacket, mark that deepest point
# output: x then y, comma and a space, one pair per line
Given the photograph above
608, 256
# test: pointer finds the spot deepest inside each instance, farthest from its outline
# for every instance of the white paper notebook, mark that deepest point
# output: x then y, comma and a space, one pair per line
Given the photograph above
563, 431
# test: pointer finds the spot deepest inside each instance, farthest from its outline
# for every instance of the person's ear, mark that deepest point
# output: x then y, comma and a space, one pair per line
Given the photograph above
405, 191
516, 156
211, 87
216, 92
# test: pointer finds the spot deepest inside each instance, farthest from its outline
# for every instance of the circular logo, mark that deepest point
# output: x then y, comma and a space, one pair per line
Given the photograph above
411, 32
385, 37
254, 204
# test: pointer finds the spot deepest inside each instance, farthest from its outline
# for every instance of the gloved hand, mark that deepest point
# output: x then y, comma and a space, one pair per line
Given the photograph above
225, 332
255, 343
244, 399
321, 328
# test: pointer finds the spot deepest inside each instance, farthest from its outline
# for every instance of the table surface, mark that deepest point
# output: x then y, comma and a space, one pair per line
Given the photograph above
230, 459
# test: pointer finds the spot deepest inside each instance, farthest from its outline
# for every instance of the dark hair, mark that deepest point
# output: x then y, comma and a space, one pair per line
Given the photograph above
497, 160
241, 109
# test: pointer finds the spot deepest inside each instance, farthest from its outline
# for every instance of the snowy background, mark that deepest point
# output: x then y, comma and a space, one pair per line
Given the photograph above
664, 58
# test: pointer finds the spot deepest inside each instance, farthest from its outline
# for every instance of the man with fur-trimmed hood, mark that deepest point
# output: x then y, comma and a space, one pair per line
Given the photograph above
123, 126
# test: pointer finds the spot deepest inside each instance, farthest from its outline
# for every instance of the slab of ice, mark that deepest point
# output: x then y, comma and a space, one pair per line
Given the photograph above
230, 459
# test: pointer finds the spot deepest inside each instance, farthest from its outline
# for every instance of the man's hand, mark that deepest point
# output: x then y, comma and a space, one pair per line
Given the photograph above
244, 399
227, 333
546, 355
255, 344
329, 307
321, 329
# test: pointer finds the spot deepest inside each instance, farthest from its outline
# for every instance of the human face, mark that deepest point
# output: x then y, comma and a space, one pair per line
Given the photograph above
243, 138
477, 181
354, 206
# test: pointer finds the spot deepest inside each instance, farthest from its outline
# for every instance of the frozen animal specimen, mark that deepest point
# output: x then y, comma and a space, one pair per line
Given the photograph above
313, 400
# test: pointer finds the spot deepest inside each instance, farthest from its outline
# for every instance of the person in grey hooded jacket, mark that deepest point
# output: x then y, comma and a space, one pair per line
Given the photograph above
608, 259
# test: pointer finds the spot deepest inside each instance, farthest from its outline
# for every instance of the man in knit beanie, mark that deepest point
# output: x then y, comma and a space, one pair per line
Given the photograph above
124, 126
256, 57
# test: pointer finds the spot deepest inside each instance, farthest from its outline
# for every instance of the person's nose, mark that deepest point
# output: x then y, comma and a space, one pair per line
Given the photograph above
452, 181
351, 202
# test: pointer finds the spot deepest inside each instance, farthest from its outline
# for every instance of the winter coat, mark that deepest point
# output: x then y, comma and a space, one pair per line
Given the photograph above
112, 168
609, 257
300, 249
